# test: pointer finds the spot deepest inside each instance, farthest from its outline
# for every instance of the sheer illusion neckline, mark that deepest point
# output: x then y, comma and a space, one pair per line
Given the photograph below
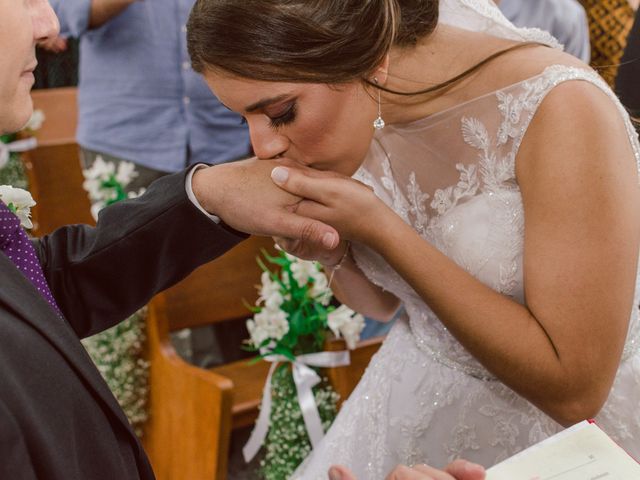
425, 122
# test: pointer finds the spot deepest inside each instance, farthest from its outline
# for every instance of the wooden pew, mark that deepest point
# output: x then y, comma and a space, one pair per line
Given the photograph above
192, 410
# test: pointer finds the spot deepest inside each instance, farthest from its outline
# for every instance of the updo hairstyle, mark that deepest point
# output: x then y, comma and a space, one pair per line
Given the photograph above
306, 41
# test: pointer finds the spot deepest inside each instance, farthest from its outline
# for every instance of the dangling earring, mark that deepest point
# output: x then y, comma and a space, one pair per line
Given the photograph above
378, 123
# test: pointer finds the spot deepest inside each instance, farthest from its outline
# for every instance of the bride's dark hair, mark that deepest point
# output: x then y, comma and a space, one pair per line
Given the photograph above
315, 41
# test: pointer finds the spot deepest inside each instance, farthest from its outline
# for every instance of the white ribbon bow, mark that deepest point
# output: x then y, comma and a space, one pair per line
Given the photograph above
17, 146
305, 379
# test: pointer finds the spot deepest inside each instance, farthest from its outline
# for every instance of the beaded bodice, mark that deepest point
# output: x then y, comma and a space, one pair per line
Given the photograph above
452, 177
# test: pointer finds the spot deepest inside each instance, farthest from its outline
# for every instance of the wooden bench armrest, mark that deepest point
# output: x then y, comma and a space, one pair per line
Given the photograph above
187, 435
344, 379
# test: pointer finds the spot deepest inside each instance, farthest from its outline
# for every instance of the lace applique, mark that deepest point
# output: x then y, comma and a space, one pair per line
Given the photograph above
417, 201
400, 204
495, 171
467, 186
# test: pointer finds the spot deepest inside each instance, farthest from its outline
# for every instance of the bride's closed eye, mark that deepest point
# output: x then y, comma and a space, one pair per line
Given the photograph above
287, 116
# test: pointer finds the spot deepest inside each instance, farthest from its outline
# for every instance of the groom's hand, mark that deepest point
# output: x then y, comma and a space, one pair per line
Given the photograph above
243, 195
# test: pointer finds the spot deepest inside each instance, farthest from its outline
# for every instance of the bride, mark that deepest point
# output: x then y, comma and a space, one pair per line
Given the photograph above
502, 212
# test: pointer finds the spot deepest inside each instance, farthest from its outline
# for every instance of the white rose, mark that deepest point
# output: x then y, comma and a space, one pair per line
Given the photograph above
345, 323
21, 201
100, 170
352, 329
337, 318
258, 335
320, 289
273, 322
303, 271
268, 287
126, 173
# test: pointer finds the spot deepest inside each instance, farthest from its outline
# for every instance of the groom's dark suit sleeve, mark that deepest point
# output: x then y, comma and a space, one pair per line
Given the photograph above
100, 275
16, 463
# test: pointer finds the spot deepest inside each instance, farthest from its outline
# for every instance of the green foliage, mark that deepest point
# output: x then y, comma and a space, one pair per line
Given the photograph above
306, 308
13, 172
115, 188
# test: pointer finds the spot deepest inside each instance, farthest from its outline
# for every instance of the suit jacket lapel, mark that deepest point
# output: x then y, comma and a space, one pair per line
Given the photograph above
19, 294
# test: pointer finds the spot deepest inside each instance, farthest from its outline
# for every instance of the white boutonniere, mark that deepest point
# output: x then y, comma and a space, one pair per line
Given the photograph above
19, 201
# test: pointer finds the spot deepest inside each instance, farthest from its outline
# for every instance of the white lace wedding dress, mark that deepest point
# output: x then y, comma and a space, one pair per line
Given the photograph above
423, 398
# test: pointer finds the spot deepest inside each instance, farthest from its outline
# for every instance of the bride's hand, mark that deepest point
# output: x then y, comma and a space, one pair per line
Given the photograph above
313, 252
342, 202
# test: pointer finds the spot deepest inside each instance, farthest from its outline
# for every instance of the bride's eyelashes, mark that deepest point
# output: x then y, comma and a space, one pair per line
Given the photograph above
287, 117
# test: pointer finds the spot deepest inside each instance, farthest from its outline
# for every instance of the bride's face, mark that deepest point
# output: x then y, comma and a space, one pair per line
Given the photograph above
322, 126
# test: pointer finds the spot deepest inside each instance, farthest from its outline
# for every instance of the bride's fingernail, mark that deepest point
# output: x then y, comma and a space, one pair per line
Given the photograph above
280, 175
329, 240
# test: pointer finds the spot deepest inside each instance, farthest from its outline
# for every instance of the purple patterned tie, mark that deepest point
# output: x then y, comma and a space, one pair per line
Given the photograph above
15, 244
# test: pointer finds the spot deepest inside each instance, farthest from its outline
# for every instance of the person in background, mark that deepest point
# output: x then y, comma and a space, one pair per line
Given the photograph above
609, 24
564, 19
139, 99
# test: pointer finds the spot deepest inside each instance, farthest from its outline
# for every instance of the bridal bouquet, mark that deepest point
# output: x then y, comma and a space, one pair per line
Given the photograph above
292, 318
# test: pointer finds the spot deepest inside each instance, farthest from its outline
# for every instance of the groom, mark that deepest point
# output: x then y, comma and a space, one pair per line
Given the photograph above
58, 419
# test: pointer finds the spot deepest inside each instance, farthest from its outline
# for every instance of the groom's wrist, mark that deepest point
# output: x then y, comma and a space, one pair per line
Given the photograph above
197, 194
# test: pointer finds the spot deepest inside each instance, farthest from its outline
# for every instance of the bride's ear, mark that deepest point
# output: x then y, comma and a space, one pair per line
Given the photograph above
381, 73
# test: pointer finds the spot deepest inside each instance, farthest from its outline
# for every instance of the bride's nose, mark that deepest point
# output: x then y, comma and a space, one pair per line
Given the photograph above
266, 142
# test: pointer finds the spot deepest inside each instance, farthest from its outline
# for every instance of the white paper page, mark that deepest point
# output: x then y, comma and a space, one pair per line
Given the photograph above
582, 452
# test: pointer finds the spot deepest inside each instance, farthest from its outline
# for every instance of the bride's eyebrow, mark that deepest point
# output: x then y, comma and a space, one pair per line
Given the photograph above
265, 102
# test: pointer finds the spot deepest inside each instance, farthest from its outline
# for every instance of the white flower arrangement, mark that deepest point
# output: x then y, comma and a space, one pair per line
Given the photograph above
106, 184
19, 201
293, 312
292, 317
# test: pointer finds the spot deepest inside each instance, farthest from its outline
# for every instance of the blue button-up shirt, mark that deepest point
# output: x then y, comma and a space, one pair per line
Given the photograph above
139, 98
564, 19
